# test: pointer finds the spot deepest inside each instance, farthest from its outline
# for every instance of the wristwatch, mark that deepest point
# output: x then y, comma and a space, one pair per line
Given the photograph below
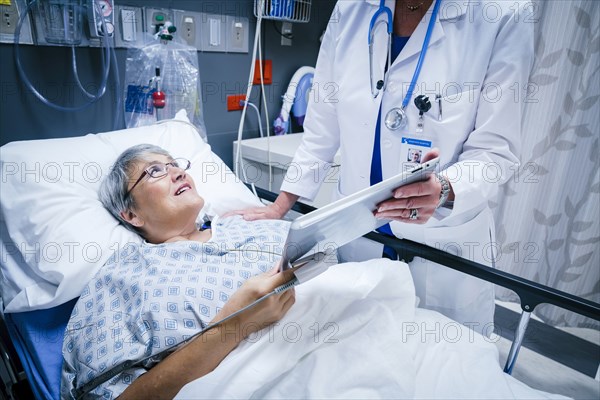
445, 192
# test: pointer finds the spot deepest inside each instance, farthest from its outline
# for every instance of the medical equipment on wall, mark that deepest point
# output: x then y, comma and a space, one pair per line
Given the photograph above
283, 10
161, 79
395, 118
158, 96
61, 22
295, 99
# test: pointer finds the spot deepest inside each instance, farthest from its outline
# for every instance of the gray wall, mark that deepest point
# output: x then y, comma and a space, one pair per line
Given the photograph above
24, 117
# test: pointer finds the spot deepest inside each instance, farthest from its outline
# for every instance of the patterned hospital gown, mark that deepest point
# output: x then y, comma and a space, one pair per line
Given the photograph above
150, 297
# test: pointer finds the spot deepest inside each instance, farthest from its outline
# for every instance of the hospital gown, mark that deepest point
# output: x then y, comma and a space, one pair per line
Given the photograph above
147, 298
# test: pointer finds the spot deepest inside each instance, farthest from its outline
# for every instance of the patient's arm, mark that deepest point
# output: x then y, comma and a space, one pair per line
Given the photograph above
205, 353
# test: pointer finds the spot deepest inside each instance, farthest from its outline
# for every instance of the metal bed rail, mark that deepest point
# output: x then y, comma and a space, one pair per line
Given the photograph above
531, 294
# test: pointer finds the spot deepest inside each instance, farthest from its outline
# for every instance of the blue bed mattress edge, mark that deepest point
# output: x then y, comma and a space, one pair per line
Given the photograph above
38, 337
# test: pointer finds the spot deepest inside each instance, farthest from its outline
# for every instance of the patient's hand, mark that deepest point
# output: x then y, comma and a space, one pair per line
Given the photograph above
203, 354
266, 312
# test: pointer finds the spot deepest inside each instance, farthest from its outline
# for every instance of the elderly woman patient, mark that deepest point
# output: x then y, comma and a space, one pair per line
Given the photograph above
152, 296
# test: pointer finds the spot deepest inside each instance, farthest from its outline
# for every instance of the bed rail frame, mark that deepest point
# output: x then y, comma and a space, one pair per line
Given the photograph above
531, 294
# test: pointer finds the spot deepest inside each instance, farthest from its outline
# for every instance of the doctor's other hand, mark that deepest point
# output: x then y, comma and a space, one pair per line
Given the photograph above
272, 211
276, 210
264, 313
423, 197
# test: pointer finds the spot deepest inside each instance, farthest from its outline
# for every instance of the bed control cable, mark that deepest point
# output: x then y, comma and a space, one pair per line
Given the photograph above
307, 268
155, 358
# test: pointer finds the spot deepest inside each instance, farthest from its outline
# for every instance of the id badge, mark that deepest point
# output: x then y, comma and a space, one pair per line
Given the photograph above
412, 152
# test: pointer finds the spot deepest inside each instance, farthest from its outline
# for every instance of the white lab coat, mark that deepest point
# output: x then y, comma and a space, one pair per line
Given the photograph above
479, 59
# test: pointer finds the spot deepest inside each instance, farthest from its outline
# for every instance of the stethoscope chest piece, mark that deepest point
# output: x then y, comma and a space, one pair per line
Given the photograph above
396, 119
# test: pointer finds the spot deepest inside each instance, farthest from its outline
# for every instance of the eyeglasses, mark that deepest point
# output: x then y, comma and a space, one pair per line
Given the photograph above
160, 170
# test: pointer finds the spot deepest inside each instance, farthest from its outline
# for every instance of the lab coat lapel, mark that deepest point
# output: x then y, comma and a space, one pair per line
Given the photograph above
448, 11
415, 43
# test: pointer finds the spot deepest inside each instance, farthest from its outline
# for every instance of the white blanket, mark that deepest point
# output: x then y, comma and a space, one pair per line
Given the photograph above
355, 332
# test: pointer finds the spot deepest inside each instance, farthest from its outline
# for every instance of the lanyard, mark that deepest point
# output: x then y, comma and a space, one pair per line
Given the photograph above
413, 82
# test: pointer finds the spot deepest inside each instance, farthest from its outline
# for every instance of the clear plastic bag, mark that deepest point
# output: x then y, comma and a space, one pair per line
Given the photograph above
179, 80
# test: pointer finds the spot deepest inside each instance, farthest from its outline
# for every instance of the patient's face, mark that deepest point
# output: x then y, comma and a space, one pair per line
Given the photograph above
167, 206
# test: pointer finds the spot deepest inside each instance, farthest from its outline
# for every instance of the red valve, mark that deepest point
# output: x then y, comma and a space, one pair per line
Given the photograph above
158, 99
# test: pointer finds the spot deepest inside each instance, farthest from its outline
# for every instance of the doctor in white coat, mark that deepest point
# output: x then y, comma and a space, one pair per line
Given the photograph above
475, 74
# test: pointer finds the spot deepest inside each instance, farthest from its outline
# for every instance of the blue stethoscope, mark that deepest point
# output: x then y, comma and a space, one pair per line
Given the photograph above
396, 118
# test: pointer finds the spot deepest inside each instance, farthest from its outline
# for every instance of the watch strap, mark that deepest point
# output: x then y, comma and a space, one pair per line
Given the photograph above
445, 191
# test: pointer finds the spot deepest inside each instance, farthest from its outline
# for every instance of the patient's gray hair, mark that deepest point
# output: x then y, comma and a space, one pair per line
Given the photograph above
114, 187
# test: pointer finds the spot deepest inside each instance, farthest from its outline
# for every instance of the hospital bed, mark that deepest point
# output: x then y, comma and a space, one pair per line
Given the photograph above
56, 235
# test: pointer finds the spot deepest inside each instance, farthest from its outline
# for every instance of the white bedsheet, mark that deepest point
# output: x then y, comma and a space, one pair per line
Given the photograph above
355, 332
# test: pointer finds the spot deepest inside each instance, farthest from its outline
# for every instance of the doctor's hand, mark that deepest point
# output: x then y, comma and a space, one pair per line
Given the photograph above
272, 211
423, 197
264, 313
276, 210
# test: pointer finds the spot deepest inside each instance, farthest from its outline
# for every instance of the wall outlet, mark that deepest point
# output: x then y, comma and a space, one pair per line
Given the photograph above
9, 18
213, 32
233, 102
188, 27
129, 26
267, 69
286, 33
237, 34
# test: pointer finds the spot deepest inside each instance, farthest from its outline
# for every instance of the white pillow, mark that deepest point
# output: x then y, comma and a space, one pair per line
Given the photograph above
55, 232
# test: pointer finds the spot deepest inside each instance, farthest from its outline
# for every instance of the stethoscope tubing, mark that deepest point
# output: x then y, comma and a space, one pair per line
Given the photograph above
382, 9
375, 92
373, 25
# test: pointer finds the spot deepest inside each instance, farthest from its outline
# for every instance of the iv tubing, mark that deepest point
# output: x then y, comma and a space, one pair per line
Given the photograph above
237, 160
89, 386
260, 129
264, 96
248, 90
118, 108
76, 74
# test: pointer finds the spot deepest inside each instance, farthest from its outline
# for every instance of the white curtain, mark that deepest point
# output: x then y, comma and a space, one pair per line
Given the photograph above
547, 216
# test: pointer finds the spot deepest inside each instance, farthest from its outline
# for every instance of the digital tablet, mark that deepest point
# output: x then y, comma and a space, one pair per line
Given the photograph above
349, 218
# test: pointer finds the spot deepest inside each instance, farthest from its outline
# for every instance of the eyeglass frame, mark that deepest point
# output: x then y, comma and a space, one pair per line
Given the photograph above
167, 164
